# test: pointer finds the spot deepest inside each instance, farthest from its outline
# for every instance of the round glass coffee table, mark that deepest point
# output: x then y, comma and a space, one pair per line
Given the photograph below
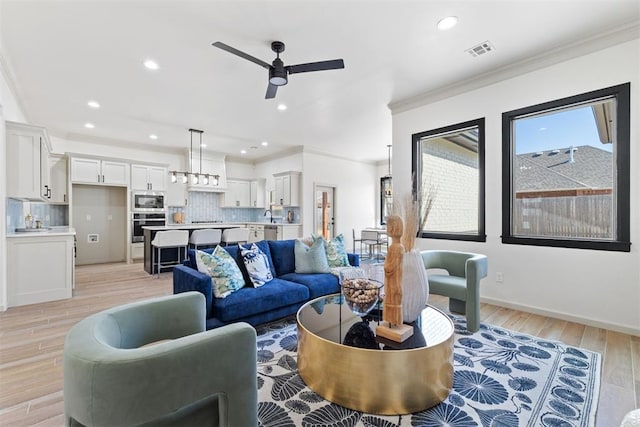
341, 359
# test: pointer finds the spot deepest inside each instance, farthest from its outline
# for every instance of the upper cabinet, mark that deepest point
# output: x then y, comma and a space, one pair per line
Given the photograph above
96, 171
243, 193
27, 171
59, 171
145, 177
287, 188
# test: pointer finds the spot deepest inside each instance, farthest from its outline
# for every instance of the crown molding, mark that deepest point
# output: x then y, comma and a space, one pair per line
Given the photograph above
560, 54
9, 77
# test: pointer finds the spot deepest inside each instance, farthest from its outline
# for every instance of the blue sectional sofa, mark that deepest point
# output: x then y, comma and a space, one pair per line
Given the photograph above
280, 297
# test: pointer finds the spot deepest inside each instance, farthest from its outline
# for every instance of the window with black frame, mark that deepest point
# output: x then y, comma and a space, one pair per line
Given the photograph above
566, 172
448, 181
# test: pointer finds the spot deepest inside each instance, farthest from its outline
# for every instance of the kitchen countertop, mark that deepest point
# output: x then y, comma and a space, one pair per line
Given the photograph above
218, 225
52, 231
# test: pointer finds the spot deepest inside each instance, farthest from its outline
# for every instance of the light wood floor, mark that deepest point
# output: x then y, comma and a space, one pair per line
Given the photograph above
32, 339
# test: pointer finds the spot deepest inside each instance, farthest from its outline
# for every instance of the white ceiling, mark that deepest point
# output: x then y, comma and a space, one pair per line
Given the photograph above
61, 54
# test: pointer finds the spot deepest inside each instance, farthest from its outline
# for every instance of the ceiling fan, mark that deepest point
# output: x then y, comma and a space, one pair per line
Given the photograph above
278, 72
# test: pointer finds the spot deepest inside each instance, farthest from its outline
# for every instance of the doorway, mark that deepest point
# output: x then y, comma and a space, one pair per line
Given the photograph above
324, 211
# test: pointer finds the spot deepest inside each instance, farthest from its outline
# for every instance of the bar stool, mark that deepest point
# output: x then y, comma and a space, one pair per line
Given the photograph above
169, 239
235, 235
205, 237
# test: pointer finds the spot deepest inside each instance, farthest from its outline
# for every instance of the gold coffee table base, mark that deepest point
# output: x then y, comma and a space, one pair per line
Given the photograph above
385, 382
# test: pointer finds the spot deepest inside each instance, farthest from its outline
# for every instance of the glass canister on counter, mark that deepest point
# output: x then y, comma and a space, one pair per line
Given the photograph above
28, 221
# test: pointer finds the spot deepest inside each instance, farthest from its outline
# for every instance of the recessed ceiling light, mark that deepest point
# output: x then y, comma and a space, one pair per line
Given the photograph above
93, 104
153, 136
152, 65
264, 143
243, 151
447, 23
282, 107
89, 125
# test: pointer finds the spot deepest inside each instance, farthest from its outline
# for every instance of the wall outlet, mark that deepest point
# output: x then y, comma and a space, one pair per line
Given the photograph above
499, 277
93, 238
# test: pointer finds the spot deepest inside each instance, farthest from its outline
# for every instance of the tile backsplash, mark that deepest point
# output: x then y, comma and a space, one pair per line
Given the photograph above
50, 215
203, 206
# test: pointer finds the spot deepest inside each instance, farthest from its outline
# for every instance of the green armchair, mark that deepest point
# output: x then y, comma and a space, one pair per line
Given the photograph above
461, 285
188, 376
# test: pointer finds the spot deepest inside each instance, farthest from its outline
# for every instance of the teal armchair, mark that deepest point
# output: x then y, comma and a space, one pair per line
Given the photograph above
188, 376
461, 285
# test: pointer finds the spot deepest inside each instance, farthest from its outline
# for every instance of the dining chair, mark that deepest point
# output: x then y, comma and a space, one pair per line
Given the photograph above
353, 233
370, 238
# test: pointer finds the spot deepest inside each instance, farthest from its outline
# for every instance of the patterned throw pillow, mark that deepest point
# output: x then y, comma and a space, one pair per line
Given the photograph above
336, 252
257, 265
225, 274
311, 259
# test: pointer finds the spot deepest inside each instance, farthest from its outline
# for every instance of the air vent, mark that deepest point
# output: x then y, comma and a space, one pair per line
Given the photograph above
480, 49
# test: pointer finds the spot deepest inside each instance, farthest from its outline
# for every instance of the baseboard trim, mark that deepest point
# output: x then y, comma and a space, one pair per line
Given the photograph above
563, 316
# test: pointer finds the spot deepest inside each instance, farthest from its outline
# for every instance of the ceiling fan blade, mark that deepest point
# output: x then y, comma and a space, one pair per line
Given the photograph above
271, 91
316, 66
242, 54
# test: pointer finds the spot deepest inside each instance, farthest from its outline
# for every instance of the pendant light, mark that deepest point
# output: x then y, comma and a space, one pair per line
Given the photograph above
196, 177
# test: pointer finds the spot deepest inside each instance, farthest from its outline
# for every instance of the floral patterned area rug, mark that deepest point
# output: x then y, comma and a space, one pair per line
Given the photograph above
502, 378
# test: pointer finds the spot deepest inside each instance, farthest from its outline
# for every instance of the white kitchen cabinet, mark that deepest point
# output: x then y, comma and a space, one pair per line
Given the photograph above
39, 269
97, 171
257, 193
177, 194
137, 250
256, 232
59, 171
287, 188
238, 193
27, 171
151, 178
287, 232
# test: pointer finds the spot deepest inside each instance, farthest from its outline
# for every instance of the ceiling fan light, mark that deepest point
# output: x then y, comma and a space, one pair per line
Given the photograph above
277, 77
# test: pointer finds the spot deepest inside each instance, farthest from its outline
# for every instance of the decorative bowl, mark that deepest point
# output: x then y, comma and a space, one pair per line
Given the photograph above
361, 294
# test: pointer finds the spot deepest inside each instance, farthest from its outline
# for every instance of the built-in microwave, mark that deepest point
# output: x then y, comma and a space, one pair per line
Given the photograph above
148, 201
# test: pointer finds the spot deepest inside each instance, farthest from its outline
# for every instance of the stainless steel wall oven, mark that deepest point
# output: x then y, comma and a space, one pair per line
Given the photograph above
145, 219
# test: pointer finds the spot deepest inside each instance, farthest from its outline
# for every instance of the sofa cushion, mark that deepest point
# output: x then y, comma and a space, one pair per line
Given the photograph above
335, 250
223, 269
318, 284
282, 256
257, 265
311, 259
250, 301
191, 257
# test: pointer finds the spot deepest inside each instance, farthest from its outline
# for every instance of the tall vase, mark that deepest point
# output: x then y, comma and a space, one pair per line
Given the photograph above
415, 286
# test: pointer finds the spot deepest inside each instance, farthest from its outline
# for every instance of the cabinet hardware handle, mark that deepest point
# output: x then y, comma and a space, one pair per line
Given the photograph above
102, 178
98, 178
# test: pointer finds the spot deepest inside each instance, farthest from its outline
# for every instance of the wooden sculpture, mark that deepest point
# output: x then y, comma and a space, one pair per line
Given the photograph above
392, 327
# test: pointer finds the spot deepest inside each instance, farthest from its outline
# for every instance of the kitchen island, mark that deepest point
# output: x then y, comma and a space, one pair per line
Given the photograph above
169, 255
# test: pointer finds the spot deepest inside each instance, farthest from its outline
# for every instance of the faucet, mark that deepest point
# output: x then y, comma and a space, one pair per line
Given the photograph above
268, 211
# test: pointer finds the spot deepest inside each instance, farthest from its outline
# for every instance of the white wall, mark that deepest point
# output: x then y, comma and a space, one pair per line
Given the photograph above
356, 192
9, 110
594, 287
